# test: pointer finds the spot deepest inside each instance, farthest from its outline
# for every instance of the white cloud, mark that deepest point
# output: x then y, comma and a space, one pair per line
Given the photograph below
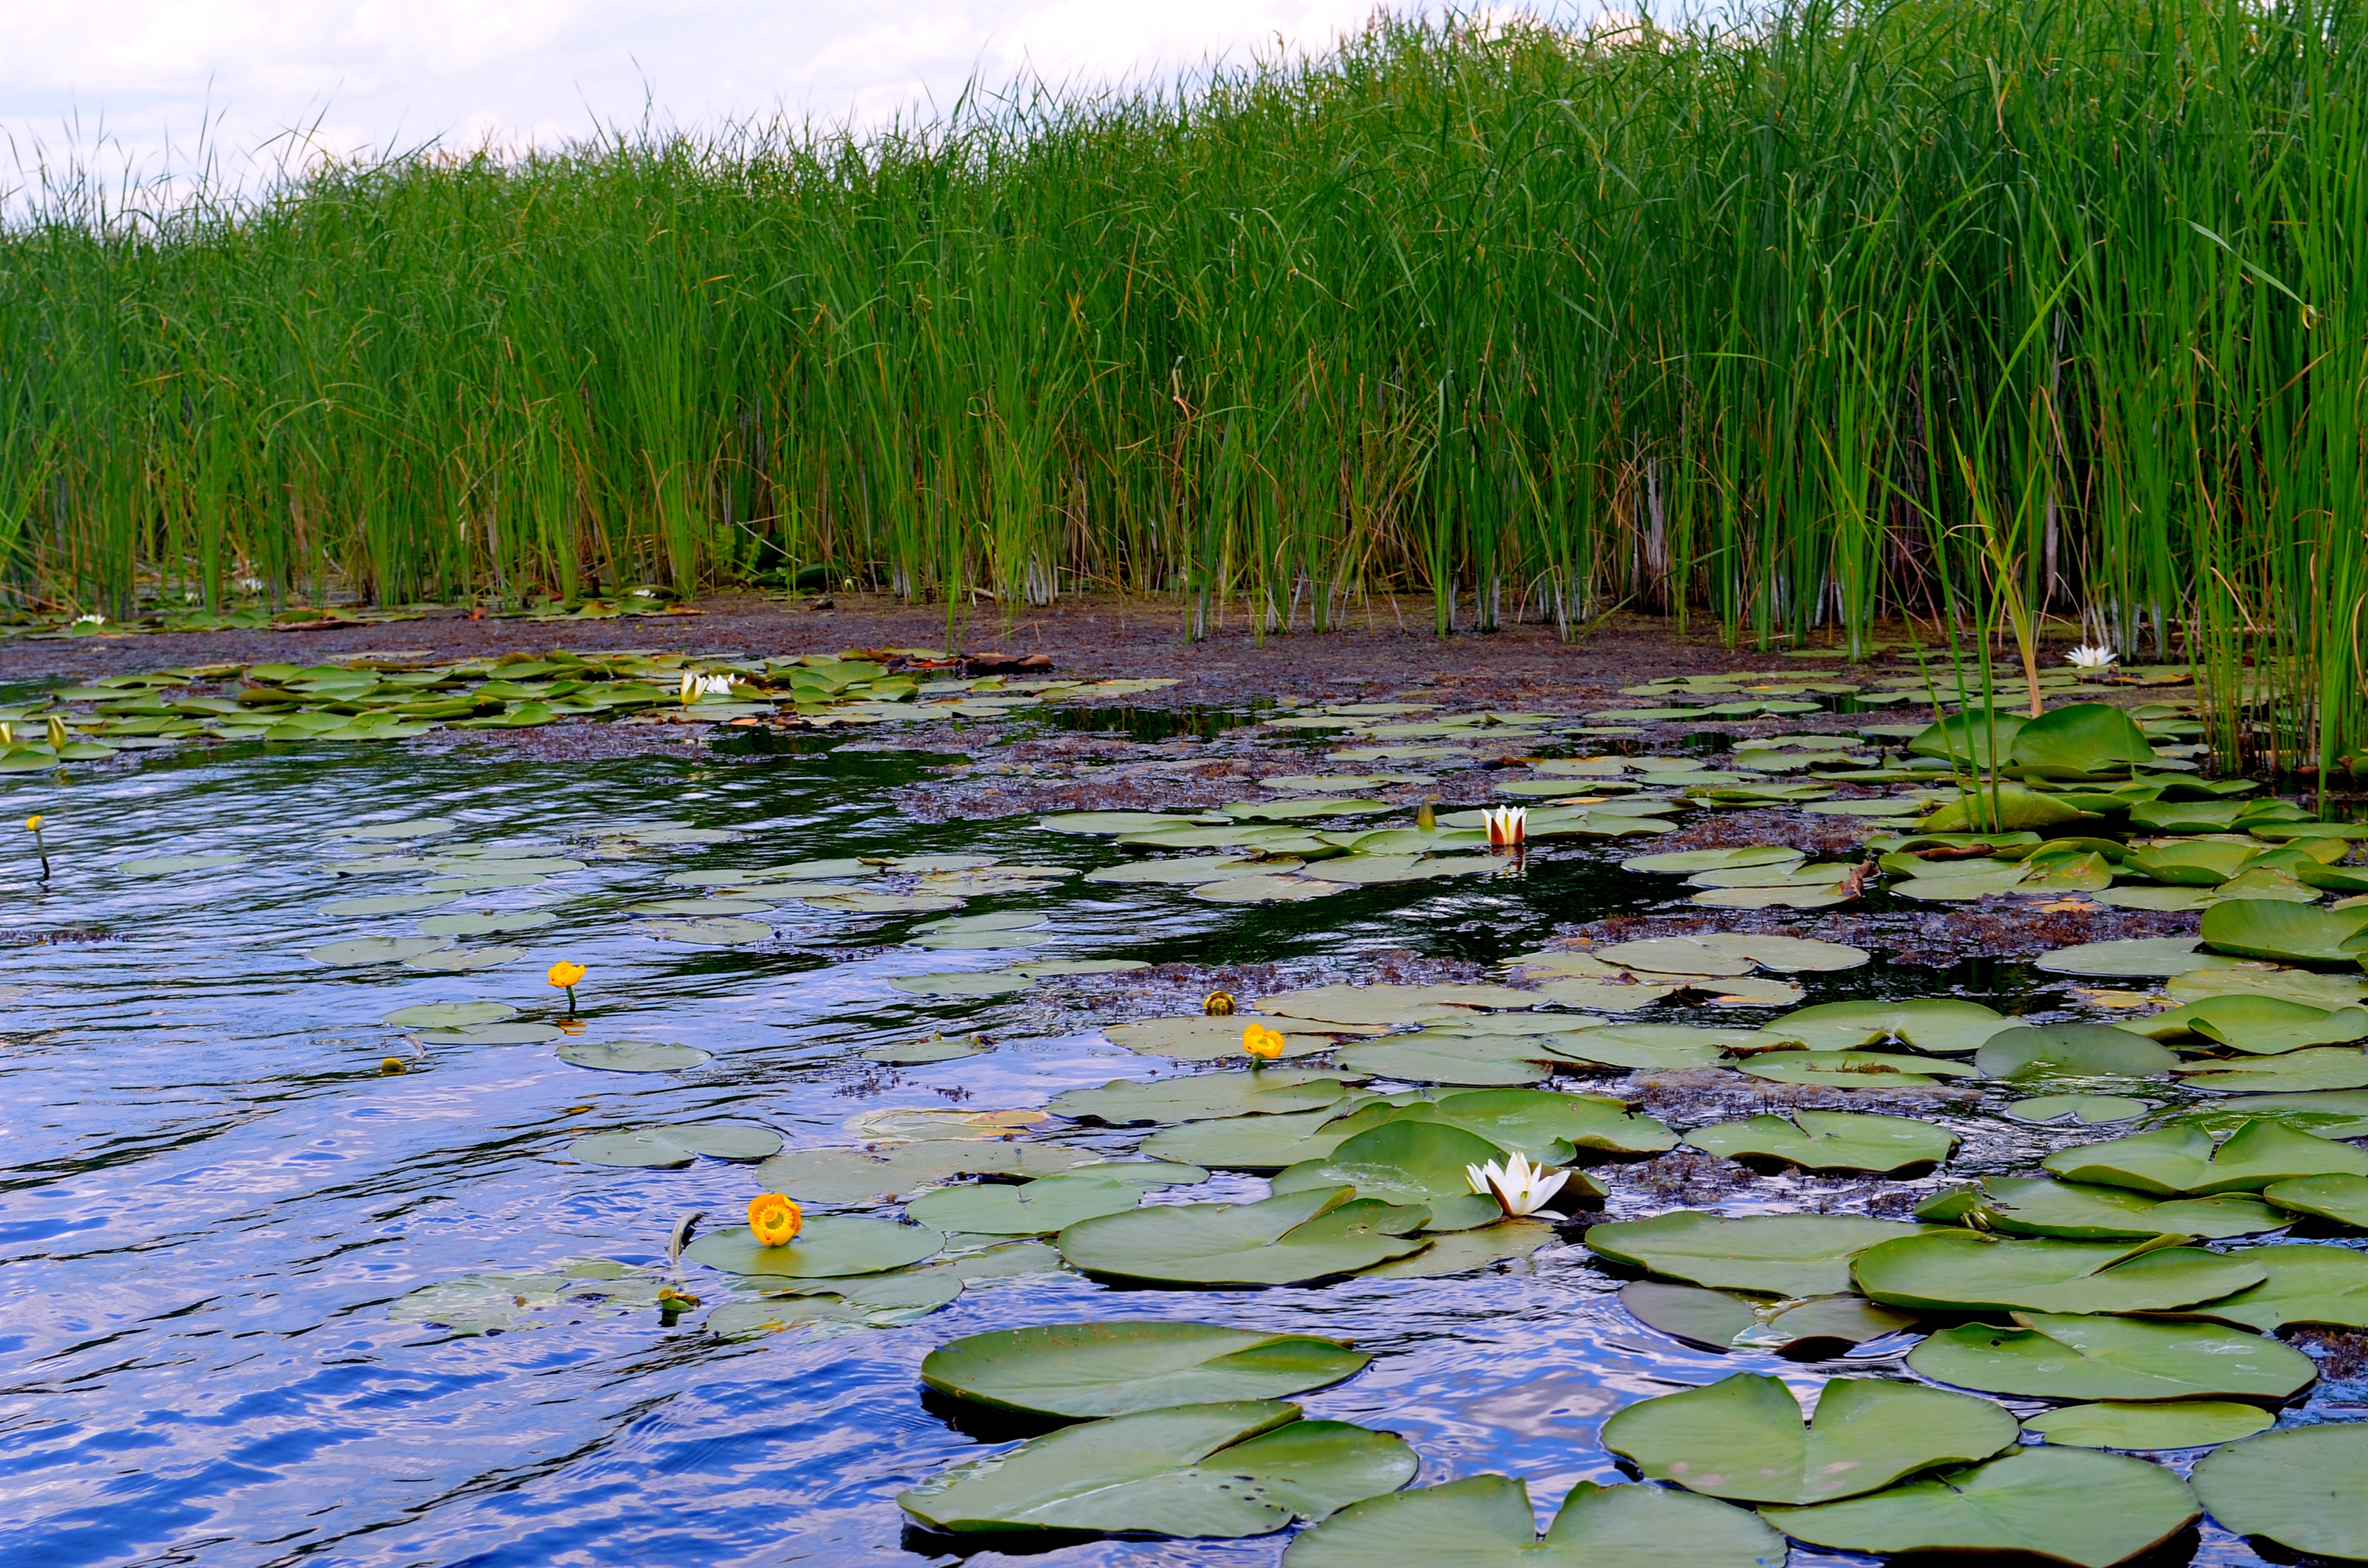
144, 83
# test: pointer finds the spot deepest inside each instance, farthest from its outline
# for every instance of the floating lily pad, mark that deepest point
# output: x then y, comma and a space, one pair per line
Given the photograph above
386, 903
1460, 1252
1718, 1321
1675, 955
1829, 1140
1090, 1369
868, 1300
720, 931
449, 1014
2342, 1199
921, 1053
658, 1148
1049, 1203
2081, 1110
2342, 1114
1549, 1127
1264, 888
1962, 1271
2286, 933
1251, 1143
2071, 1051
632, 1055
1291, 1238
375, 949
2305, 1284
2259, 1025
1642, 1047
1184, 871
1742, 1438
1266, 1090
2248, 979
1487, 1521
485, 925
418, 827
2299, 1488
1773, 1255
167, 865
880, 902
512, 1033
2297, 1072
1941, 1026
463, 961
1814, 895
2018, 1205
2068, 1505
1685, 862
852, 1176
1852, 1069
491, 1304
1408, 1163
2066, 1357
912, 1123
2177, 1423
826, 1246
2183, 1160
1378, 1007
1202, 1039
1489, 1060
1243, 1467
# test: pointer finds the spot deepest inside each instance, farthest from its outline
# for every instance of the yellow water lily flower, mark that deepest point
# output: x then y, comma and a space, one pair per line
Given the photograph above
33, 824
774, 1220
1261, 1043
1220, 1004
563, 974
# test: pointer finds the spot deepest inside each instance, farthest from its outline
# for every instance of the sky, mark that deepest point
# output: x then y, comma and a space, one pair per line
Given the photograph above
144, 85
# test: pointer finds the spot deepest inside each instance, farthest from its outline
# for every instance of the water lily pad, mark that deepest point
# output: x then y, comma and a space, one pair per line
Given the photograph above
2022, 1206
1675, 955
1373, 1006
492, 1303
2250, 979
2070, 1506
1251, 1143
859, 903
375, 949
1685, 862
1245, 1468
632, 1055
2081, 1110
658, 1148
1829, 1140
851, 1177
826, 1246
2342, 1199
913, 1124
720, 931
485, 925
168, 865
2259, 1025
1184, 871
2176, 1424
700, 906
1123, 1103
1773, 1255
2135, 957
1942, 1026
1641, 1046
1814, 895
449, 1014
1264, 888
1460, 1252
1291, 1238
872, 1300
2305, 1284
1606, 994
463, 961
1088, 1370
2286, 933
1963, 1271
2068, 1356
1202, 1039
418, 827
2071, 1051
1487, 1521
2299, 1488
1716, 1320
1049, 1203
513, 1033
1407, 1163
2183, 1160
1851, 1069
921, 1053
1742, 1438
2297, 1072
963, 983
2341, 1114
1549, 1127
1492, 1061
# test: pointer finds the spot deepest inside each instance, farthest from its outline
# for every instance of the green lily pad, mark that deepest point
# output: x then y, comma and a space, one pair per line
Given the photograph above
2081, 1110
167, 865
1963, 1271
700, 906
1243, 1467
2299, 1488
2196, 862
513, 1033
826, 1246
1203, 1095
921, 1053
1251, 1143
1771, 1255
963, 983
2183, 1160
1642, 1047
1674, 955
1851, 1069
1487, 1521
449, 1014
2070, 1506
2162, 901
1182, 871
1264, 888
1685, 862
2071, 1051
375, 949
386, 903
874, 1301
717, 931
485, 925
632, 1055
1742, 1438
2066, 1357
659, 1148
2305, 1284
1084, 1370
463, 961
2021, 1206
1049, 1203
1409, 1162
1809, 895
2341, 1114
1291, 1238
2260, 1025
1495, 1061
1198, 1037
2003, 808
1549, 1127
1718, 1321
2297, 1072
2178, 1424
1380, 1006
2342, 1199
2135, 957
421, 827
1460, 1252
2245, 978
852, 1176
1829, 1140
2286, 933
1940, 1026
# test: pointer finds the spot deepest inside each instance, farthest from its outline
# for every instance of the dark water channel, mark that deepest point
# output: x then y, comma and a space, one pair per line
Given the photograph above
213, 1192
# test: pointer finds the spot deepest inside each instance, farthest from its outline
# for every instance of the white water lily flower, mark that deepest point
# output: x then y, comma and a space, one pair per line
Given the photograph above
1521, 1186
90, 620
1508, 826
696, 685
2086, 658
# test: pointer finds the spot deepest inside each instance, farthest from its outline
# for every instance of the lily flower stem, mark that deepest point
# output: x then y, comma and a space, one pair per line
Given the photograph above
571, 999
43, 851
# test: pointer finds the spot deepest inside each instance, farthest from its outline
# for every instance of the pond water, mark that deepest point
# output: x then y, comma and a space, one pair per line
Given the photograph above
214, 1192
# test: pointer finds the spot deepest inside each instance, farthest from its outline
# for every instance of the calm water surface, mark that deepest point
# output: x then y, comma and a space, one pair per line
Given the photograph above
212, 1193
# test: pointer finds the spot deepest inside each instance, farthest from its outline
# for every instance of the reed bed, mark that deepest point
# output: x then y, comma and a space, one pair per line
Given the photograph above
1974, 312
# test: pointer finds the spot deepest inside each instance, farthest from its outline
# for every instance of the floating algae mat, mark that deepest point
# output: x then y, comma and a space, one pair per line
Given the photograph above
386, 1133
